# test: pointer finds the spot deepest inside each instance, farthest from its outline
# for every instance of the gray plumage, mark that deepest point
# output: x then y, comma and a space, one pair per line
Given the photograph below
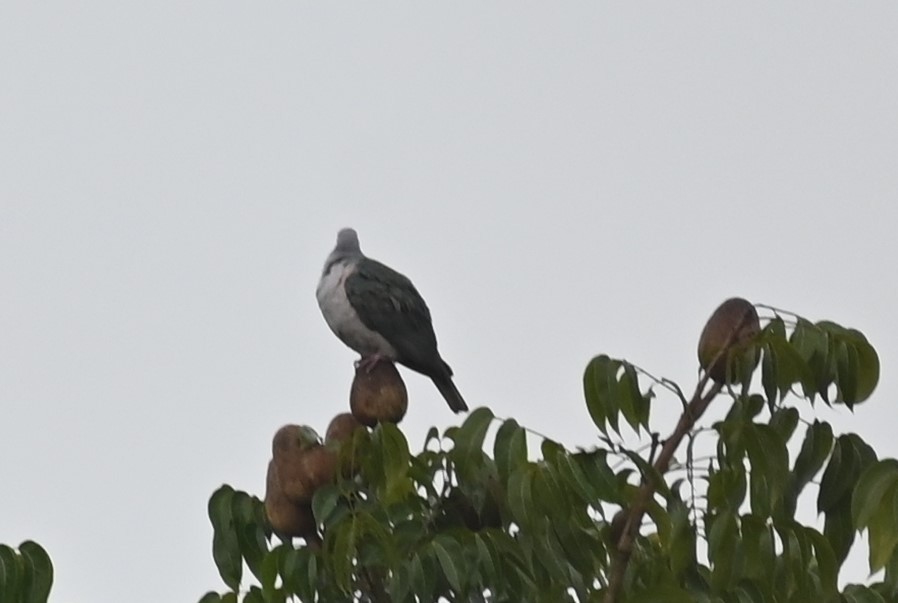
378, 312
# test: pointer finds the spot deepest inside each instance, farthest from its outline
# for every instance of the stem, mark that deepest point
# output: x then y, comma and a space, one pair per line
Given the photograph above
692, 413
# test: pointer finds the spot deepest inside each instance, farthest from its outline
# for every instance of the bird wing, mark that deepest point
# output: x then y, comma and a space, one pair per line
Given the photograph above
388, 303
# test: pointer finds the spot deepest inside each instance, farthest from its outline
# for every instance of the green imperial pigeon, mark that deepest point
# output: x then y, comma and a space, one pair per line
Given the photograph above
378, 313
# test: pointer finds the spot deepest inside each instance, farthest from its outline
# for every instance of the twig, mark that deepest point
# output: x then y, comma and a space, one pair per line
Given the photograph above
663, 382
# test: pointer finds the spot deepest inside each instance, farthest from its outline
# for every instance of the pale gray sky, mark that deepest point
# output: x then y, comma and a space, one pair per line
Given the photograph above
559, 180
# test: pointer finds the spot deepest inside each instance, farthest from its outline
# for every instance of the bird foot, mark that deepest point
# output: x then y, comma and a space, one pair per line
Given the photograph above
367, 362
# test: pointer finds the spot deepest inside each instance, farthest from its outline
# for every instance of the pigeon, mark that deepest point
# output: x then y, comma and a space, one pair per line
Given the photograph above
377, 312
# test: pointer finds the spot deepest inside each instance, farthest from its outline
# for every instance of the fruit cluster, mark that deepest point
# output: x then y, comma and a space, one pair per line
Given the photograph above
301, 463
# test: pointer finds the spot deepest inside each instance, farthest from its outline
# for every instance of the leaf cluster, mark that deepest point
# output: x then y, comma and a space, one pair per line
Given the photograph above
26, 575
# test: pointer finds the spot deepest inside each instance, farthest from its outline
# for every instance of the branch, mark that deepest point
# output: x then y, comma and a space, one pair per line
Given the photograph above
691, 414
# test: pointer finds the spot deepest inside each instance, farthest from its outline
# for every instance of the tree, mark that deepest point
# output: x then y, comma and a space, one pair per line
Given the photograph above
477, 518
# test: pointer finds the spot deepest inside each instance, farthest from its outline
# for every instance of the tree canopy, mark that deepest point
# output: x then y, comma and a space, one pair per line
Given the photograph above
478, 514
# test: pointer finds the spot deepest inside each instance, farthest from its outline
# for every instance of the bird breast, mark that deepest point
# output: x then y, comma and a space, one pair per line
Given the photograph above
343, 319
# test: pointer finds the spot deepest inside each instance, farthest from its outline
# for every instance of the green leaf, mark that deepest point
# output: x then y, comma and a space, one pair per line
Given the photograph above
660, 518
38, 575
324, 503
400, 584
395, 458
840, 475
727, 487
818, 443
254, 595
791, 368
520, 497
795, 554
784, 421
827, 567
855, 593
769, 378
604, 483
870, 493
846, 373
10, 574
449, 555
680, 546
514, 564
549, 493
246, 513
293, 569
838, 528
553, 556
225, 544
852, 363
867, 366
342, 553
783, 361
631, 398
578, 545
865, 452
510, 448
433, 434
576, 480
663, 594
419, 581
744, 409
269, 570
298, 572
721, 545
367, 525
209, 597
487, 561
769, 461
648, 472
812, 345
600, 389
467, 453
882, 528
758, 548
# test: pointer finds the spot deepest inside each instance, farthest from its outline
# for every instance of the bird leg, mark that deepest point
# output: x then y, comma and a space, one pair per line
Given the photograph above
368, 362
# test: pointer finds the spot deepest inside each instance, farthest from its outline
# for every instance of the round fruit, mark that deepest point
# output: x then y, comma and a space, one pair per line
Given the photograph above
378, 394
293, 437
297, 475
723, 348
317, 467
287, 518
341, 428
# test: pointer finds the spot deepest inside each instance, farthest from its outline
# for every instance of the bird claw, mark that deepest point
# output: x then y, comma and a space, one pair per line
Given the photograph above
368, 362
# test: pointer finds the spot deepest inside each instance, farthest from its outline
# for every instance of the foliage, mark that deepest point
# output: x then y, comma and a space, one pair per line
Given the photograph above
25, 576
479, 515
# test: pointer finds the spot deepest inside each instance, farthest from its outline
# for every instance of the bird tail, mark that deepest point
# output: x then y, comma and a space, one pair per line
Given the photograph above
450, 392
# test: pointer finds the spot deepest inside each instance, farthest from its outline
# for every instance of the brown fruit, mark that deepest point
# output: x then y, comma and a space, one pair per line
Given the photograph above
293, 437
341, 428
738, 316
340, 433
378, 394
287, 518
318, 466
296, 457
